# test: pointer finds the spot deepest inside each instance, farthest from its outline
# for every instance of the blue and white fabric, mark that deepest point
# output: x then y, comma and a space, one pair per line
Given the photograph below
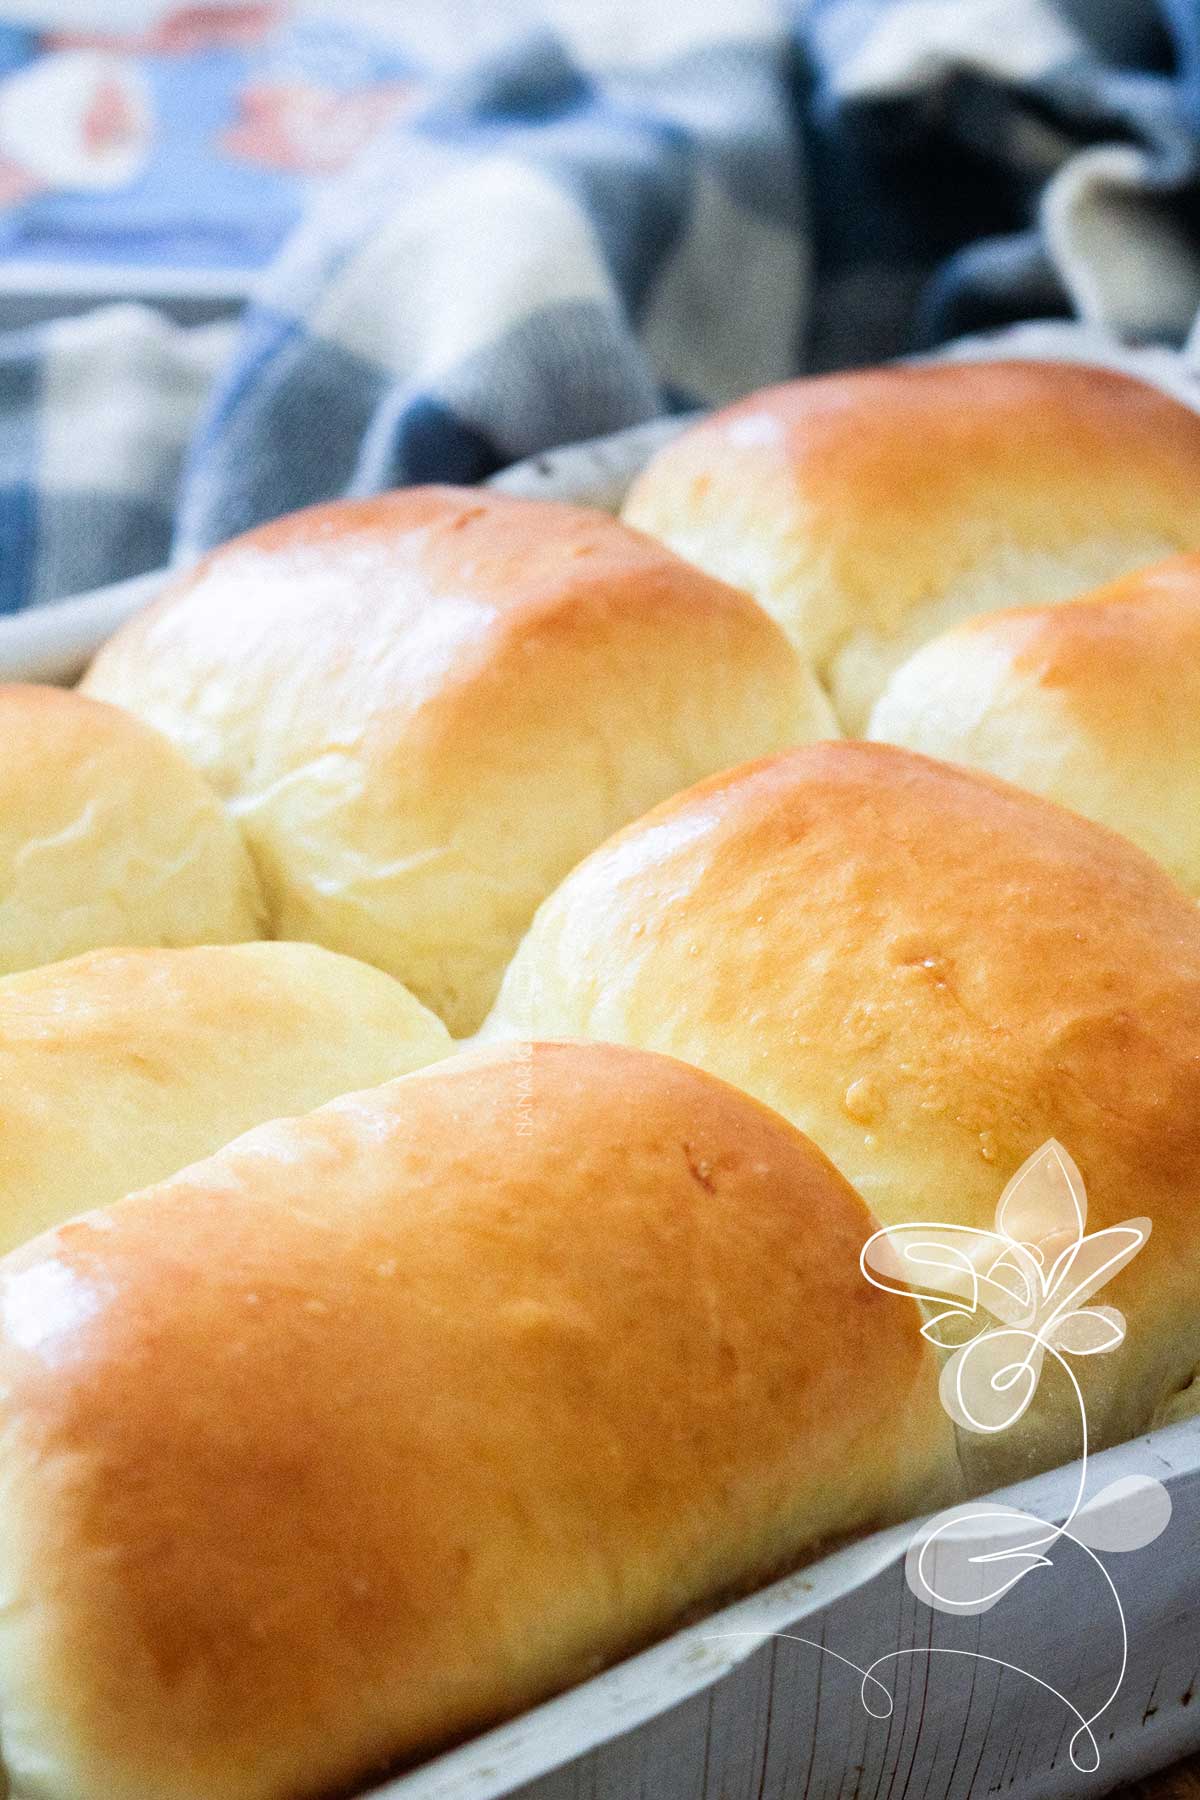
611, 209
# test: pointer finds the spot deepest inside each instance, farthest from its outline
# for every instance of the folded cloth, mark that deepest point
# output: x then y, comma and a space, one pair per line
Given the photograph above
627, 209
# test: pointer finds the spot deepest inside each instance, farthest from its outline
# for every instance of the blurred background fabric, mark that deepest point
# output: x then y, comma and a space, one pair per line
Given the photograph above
426, 240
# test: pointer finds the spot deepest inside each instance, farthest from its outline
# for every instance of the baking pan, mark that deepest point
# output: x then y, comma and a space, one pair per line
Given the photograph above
839, 1682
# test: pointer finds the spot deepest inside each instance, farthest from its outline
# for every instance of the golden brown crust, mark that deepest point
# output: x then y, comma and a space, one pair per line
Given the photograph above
1095, 704
427, 706
869, 510
1100, 636
118, 1067
387, 1421
109, 836
929, 972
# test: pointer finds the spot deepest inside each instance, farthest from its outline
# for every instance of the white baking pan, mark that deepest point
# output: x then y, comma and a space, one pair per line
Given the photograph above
766, 1699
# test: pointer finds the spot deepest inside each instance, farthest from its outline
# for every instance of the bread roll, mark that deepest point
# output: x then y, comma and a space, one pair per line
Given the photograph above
931, 973
1095, 704
384, 1423
870, 511
119, 1067
109, 836
426, 707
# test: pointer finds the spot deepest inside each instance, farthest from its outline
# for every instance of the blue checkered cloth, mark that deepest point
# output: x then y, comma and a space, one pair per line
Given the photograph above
622, 211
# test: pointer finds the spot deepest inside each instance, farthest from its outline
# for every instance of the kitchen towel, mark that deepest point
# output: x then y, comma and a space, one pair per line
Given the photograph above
612, 209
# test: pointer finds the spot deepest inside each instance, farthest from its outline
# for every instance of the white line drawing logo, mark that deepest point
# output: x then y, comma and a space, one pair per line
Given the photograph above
1032, 1275
1008, 1299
